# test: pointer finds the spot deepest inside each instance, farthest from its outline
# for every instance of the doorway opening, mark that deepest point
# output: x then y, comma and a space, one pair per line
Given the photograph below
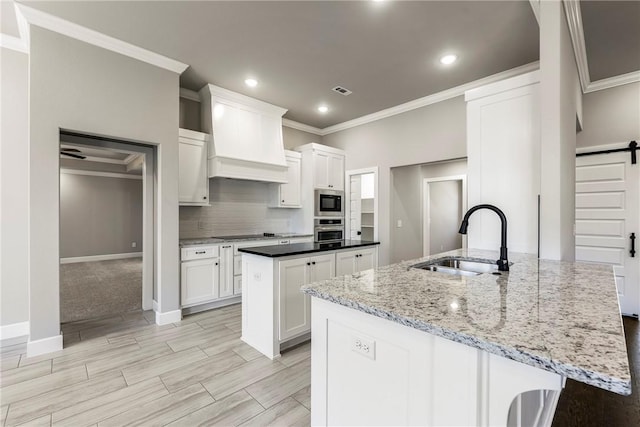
444, 205
361, 212
106, 228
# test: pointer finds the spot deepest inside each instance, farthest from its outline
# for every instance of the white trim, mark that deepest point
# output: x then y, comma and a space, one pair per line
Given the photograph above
301, 126
622, 79
426, 206
576, 30
107, 257
612, 146
168, 317
189, 94
13, 43
155, 305
70, 29
97, 173
431, 99
45, 345
101, 160
131, 157
503, 86
23, 26
14, 330
193, 134
210, 91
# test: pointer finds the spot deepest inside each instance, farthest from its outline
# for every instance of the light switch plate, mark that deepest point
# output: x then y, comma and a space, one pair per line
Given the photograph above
399, 223
364, 346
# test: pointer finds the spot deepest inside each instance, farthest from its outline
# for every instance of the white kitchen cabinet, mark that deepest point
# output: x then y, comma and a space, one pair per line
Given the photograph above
193, 184
328, 170
503, 161
350, 262
237, 283
199, 281
226, 271
294, 306
288, 195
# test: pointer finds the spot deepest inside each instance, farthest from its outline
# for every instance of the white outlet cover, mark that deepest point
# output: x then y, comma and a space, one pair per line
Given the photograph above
399, 223
364, 346
134, 244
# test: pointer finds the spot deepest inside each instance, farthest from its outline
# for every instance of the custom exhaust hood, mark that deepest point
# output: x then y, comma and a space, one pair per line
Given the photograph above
246, 135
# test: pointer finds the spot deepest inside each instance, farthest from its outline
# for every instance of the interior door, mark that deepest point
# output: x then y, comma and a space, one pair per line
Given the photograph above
355, 208
607, 212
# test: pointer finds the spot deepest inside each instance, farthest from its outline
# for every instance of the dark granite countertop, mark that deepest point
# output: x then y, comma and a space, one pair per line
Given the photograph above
305, 248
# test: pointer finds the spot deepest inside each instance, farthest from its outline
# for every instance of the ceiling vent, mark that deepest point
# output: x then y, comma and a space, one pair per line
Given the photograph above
342, 91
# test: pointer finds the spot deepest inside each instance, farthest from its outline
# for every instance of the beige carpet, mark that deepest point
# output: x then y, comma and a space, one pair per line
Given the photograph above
102, 288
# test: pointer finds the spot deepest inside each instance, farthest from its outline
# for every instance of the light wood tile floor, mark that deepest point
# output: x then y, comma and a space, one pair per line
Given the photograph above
125, 370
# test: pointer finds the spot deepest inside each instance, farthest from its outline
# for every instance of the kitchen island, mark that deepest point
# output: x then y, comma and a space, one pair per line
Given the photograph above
275, 314
406, 346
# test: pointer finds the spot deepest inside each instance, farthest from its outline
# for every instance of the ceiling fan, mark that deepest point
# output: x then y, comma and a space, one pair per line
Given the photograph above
71, 153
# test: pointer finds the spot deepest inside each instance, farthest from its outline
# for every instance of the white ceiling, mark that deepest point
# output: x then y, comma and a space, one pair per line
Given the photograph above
385, 52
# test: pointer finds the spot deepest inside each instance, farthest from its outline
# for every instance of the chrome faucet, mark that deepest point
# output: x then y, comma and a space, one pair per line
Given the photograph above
503, 262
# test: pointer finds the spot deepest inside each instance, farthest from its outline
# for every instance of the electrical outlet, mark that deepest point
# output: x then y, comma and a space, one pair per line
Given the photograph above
399, 223
134, 244
364, 346
257, 277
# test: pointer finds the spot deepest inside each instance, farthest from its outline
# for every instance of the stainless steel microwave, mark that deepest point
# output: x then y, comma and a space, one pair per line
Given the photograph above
329, 203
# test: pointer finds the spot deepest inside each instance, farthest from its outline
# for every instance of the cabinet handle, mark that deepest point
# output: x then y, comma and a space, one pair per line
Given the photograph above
204, 198
282, 200
200, 252
216, 263
314, 263
308, 263
633, 245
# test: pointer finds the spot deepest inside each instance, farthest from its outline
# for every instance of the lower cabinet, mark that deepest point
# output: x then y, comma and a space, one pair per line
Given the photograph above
226, 271
294, 306
350, 262
199, 281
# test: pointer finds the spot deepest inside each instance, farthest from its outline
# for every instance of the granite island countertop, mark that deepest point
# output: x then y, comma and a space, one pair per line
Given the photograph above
558, 316
185, 243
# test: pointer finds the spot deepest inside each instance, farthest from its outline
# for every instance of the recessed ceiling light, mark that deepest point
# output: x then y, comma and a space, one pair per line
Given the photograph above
448, 59
251, 82
323, 109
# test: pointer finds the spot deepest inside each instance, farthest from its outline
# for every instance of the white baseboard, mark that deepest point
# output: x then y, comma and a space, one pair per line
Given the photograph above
43, 346
168, 317
107, 257
15, 330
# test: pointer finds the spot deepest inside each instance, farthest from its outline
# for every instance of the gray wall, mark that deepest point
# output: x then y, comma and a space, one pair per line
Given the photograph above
190, 114
99, 215
14, 214
80, 87
446, 214
407, 205
294, 137
610, 116
237, 207
428, 134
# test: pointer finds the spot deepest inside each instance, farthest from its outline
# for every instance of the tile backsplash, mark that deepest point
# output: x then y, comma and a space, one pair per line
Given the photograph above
237, 207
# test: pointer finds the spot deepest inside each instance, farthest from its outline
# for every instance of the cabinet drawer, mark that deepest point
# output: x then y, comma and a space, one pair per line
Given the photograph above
199, 252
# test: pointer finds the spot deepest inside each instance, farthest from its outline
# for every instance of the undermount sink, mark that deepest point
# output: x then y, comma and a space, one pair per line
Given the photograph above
458, 266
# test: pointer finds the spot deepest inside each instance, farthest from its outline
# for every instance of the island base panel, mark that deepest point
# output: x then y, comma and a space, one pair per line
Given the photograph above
366, 370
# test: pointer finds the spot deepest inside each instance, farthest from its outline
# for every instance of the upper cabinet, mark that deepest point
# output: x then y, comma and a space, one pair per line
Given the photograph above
327, 165
247, 136
193, 187
503, 161
289, 195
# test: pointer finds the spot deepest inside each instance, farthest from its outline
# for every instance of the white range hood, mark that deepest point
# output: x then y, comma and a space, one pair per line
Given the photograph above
246, 138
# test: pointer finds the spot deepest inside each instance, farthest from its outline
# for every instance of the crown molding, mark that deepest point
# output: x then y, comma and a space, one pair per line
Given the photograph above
13, 43
189, 94
622, 79
576, 30
301, 126
70, 29
431, 99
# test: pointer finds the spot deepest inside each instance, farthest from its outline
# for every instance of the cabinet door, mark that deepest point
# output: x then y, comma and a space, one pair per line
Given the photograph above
336, 172
323, 267
320, 169
199, 281
290, 192
367, 259
193, 182
237, 285
295, 307
345, 263
226, 271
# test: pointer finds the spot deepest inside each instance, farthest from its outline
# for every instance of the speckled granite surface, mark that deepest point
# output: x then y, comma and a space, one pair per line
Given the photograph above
558, 316
185, 243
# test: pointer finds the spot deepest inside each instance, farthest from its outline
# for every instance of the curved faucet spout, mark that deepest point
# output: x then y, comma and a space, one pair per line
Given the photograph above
503, 262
